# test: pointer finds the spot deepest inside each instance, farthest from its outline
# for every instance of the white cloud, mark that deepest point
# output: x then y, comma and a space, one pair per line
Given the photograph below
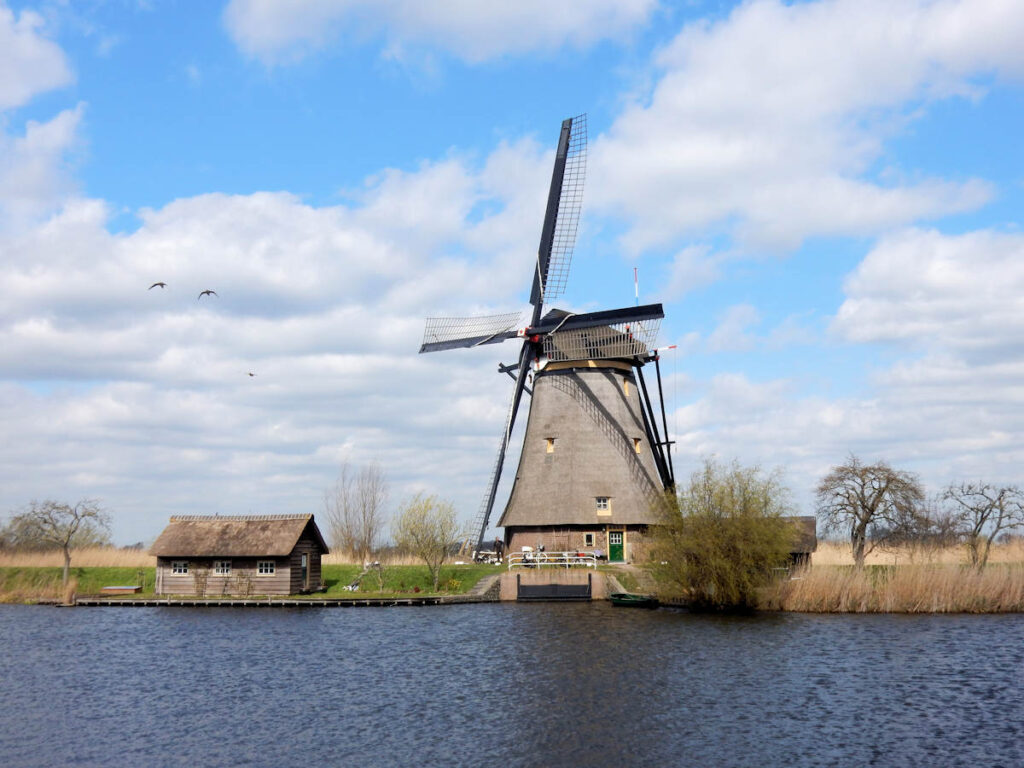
772, 121
134, 395
34, 177
29, 63
731, 334
951, 410
692, 267
938, 417
467, 29
963, 293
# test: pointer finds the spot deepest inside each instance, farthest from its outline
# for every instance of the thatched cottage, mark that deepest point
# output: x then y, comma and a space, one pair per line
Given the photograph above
244, 555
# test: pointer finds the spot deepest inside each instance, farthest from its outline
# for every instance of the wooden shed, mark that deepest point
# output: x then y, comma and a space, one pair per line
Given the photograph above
805, 540
243, 555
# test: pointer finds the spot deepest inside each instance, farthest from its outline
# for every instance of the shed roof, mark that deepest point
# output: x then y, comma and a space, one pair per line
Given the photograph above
234, 536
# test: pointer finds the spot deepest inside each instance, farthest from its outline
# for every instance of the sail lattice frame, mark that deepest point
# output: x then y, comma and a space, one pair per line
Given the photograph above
570, 206
448, 329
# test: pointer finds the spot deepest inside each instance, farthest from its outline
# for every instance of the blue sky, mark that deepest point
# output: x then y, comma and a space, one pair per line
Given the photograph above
826, 197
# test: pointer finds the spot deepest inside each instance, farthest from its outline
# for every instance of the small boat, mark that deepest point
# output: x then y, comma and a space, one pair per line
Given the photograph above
633, 601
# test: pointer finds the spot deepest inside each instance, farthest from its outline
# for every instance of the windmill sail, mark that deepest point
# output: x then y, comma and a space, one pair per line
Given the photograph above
562, 216
460, 332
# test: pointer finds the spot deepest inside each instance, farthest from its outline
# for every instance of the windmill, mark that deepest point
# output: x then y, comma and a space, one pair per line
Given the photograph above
582, 367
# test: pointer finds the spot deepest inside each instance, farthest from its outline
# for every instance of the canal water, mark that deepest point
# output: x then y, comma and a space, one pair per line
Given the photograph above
506, 685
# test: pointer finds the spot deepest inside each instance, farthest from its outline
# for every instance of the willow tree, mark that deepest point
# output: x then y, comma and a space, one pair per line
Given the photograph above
722, 536
426, 528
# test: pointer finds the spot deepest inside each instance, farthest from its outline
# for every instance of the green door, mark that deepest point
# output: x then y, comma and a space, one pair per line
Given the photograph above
615, 548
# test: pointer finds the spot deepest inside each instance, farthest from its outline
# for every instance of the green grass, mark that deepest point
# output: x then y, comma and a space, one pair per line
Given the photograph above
30, 584
405, 580
624, 577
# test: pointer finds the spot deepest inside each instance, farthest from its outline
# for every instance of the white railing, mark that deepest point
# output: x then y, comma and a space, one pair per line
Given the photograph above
551, 560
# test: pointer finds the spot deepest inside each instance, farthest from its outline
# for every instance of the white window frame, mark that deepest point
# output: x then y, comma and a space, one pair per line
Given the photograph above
603, 502
179, 566
588, 539
222, 567
266, 567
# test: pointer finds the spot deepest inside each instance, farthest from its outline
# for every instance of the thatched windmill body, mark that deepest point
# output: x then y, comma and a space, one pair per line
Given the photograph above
593, 462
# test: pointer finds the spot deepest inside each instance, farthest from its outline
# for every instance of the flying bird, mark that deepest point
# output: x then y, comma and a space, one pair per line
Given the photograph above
206, 293
251, 373
154, 285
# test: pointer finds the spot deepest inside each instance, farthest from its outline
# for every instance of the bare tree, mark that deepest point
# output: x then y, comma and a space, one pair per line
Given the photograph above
53, 524
354, 508
426, 528
875, 503
982, 512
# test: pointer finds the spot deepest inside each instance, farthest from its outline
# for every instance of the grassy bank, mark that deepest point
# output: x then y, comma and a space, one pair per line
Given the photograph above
930, 588
31, 583
28, 584
404, 580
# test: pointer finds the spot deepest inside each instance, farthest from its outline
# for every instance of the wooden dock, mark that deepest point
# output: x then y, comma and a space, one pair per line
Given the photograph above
279, 602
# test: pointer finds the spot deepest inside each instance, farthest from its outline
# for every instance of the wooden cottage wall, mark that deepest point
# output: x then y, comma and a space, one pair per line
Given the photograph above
307, 545
243, 578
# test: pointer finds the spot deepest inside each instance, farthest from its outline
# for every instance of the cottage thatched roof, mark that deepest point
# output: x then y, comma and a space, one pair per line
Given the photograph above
807, 536
227, 536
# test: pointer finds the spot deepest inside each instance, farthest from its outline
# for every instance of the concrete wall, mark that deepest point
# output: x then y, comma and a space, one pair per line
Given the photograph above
599, 589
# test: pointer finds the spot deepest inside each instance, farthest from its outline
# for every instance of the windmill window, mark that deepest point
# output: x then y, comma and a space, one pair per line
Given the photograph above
602, 502
550, 444
625, 386
636, 444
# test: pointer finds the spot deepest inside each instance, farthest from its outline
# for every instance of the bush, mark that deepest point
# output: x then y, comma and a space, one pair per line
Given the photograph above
722, 537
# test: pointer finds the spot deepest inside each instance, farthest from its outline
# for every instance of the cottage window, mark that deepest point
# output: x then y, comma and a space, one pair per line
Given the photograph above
588, 539
265, 567
602, 502
179, 566
222, 567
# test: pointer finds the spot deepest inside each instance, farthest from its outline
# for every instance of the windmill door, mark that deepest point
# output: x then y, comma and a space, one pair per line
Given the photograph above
616, 548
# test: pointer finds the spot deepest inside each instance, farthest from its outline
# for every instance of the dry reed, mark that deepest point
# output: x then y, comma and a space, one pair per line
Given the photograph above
386, 559
839, 553
932, 588
91, 557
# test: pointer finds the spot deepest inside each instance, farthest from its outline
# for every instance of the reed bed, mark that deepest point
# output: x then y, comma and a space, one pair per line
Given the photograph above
930, 588
839, 553
386, 559
90, 557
